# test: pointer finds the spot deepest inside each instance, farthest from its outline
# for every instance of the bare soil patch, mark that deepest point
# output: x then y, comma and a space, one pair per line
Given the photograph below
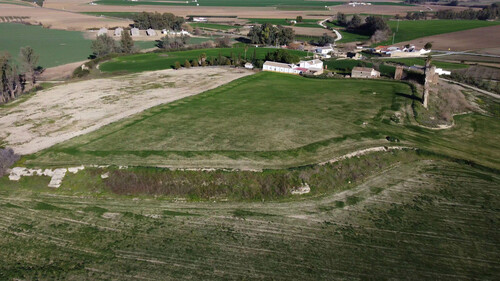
468, 40
69, 110
58, 19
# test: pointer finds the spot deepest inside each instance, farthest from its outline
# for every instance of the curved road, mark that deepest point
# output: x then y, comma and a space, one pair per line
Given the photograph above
322, 23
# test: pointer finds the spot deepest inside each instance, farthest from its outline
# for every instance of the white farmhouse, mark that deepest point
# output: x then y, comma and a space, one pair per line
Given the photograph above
280, 67
314, 67
324, 50
134, 31
311, 64
102, 31
150, 32
118, 31
364, 72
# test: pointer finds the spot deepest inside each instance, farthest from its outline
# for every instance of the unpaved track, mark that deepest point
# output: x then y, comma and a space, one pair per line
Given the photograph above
66, 111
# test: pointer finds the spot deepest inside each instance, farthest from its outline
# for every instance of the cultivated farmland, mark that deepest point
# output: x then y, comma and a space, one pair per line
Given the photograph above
410, 30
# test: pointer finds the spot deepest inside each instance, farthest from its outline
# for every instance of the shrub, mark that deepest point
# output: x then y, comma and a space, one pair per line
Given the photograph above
7, 159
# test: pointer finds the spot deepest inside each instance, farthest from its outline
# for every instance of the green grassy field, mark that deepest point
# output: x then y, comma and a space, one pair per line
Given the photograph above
348, 36
409, 215
271, 121
409, 30
157, 61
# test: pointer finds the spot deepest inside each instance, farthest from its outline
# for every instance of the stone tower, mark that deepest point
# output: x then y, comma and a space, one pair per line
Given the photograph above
398, 75
431, 78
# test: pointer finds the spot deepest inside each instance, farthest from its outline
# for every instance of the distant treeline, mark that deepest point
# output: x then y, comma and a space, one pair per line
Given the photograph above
270, 35
157, 21
488, 13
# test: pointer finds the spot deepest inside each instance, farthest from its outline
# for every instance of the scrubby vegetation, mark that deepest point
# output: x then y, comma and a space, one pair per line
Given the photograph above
7, 159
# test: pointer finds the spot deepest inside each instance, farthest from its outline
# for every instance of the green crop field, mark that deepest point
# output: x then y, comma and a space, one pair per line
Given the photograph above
122, 15
285, 22
409, 30
55, 47
405, 216
157, 61
272, 120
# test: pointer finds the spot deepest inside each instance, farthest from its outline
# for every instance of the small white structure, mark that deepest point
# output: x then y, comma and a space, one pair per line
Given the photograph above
248, 65
324, 50
441, 71
175, 33
364, 72
200, 19
118, 31
134, 31
293, 21
102, 31
150, 32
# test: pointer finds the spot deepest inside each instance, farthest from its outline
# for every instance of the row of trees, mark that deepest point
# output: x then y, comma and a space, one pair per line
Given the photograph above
14, 79
233, 59
105, 45
271, 35
157, 20
488, 13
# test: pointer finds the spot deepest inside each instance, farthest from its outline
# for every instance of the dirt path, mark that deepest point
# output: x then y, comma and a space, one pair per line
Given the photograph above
60, 72
66, 111
473, 88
